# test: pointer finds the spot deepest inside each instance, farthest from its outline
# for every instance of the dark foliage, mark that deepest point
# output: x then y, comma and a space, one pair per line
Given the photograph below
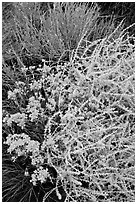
121, 10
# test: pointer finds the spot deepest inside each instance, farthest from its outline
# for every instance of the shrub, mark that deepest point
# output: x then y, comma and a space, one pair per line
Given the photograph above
78, 121
51, 35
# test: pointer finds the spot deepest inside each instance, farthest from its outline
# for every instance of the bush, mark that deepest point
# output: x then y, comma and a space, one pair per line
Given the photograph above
73, 125
31, 34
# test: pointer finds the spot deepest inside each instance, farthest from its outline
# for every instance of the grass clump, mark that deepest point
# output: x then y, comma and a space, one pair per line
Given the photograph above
32, 34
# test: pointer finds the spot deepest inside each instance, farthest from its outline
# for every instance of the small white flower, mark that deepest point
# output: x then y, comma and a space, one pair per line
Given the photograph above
6, 118
34, 108
20, 83
36, 85
37, 158
24, 69
17, 91
33, 146
26, 173
11, 95
18, 118
40, 174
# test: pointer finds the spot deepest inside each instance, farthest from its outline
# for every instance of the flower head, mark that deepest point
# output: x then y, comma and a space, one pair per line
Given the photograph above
40, 174
18, 118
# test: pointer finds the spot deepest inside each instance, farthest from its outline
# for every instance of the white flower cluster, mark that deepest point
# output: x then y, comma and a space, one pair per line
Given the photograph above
21, 144
24, 69
36, 158
36, 85
20, 83
40, 174
33, 146
18, 118
12, 94
17, 143
20, 90
34, 108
